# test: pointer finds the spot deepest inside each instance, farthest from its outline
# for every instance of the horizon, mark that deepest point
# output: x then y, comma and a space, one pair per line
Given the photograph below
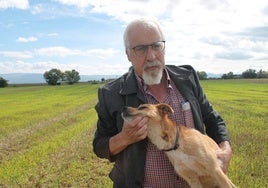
35, 78
213, 36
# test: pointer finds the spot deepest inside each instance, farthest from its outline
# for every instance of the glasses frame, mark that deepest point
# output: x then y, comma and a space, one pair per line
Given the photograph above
141, 49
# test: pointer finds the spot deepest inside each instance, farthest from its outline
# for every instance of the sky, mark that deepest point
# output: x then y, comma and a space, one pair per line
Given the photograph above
215, 36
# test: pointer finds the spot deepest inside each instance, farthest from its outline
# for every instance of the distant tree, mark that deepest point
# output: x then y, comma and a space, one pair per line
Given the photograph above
202, 75
102, 79
262, 74
71, 76
224, 76
250, 73
53, 77
3, 82
229, 75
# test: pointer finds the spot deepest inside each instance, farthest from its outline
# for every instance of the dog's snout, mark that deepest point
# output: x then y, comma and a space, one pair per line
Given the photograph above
125, 111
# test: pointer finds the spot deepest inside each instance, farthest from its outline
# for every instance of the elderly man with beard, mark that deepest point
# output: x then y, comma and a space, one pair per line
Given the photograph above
137, 162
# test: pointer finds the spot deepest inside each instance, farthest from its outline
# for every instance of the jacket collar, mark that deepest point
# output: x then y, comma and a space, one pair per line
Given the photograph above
180, 77
129, 85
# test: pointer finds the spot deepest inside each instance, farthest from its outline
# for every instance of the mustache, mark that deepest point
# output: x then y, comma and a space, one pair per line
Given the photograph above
151, 64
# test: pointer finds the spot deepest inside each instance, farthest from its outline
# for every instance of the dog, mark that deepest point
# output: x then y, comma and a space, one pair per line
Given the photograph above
193, 154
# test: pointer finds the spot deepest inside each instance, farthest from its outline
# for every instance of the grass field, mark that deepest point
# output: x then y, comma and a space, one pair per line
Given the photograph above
46, 134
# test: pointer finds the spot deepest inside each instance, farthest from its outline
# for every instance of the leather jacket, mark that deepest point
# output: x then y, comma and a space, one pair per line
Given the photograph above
128, 170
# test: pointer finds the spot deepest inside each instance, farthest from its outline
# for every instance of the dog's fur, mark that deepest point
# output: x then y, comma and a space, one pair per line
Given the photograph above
194, 156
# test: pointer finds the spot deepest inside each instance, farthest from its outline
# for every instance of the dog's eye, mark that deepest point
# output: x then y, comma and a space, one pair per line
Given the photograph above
141, 107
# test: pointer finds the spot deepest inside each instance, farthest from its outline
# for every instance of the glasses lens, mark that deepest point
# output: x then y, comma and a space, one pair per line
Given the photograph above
141, 49
158, 46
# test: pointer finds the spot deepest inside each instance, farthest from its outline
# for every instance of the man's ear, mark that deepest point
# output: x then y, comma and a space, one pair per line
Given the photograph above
126, 51
164, 109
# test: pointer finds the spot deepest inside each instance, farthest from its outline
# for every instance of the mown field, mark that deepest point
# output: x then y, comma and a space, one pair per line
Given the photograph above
46, 134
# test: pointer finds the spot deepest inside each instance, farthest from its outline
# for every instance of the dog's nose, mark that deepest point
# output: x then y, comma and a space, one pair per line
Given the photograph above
124, 111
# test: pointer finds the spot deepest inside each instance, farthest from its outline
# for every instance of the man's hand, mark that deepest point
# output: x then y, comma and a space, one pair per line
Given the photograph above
225, 155
132, 132
135, 130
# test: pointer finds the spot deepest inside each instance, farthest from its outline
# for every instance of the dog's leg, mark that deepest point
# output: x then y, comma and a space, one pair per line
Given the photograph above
223, 180
190, 176
232, 185
194, 182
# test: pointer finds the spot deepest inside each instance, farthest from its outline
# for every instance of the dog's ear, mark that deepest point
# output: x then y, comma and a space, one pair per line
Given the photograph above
164, 109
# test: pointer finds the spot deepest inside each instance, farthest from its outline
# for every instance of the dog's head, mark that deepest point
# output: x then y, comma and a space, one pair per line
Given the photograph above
155, 112
160, 128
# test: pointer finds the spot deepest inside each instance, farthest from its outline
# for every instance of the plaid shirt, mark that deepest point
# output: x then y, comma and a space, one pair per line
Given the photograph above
159, 172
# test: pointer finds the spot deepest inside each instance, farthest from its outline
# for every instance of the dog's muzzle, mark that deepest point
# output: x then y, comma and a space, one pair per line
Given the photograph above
125, 114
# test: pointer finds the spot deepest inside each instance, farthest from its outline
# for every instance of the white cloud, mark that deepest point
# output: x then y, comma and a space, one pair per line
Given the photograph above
19, 4
60, 51
36, 9
27, 67
228, 14
25, 40
78, 3
56, 51
82, 68
212, 35
102, 53
17, 54
52, 34
126, 10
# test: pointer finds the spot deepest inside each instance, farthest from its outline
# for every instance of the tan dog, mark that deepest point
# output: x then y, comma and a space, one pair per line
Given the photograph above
192, 154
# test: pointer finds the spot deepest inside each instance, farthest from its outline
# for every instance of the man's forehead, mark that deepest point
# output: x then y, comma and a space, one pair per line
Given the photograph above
144, 38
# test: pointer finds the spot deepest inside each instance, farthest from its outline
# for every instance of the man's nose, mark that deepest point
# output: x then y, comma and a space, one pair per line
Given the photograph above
151, 54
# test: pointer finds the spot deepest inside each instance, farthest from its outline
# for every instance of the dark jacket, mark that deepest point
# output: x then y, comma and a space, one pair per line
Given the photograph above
128, 170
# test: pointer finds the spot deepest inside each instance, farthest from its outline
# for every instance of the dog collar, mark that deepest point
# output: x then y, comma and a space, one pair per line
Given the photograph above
176, 145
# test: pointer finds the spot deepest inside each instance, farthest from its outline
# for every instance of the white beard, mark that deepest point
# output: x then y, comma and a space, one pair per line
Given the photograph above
152, 77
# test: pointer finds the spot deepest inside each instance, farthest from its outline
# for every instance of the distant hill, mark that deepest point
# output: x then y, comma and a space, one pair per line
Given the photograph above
212, 75
36, 78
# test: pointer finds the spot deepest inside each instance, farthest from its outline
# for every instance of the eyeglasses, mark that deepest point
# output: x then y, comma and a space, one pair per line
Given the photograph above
156, 46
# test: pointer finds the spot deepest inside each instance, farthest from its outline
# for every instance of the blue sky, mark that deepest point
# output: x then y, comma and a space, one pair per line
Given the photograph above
216, 36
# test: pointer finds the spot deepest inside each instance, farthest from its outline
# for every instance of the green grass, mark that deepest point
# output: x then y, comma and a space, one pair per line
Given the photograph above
46, 134
244, 106
46, 137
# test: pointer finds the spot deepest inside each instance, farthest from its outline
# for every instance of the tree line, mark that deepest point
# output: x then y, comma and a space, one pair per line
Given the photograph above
250, 73
56, 76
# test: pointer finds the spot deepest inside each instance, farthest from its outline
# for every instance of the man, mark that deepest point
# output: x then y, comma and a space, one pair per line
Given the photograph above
138, 163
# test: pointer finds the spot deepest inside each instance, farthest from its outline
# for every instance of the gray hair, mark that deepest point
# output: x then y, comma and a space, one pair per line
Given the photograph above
146, 23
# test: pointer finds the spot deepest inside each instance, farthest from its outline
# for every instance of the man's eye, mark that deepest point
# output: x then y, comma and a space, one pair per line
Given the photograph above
140, 48
156, 46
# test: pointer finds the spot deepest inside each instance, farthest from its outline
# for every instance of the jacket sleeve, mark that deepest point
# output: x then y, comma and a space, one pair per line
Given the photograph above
106, 124
214, 124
